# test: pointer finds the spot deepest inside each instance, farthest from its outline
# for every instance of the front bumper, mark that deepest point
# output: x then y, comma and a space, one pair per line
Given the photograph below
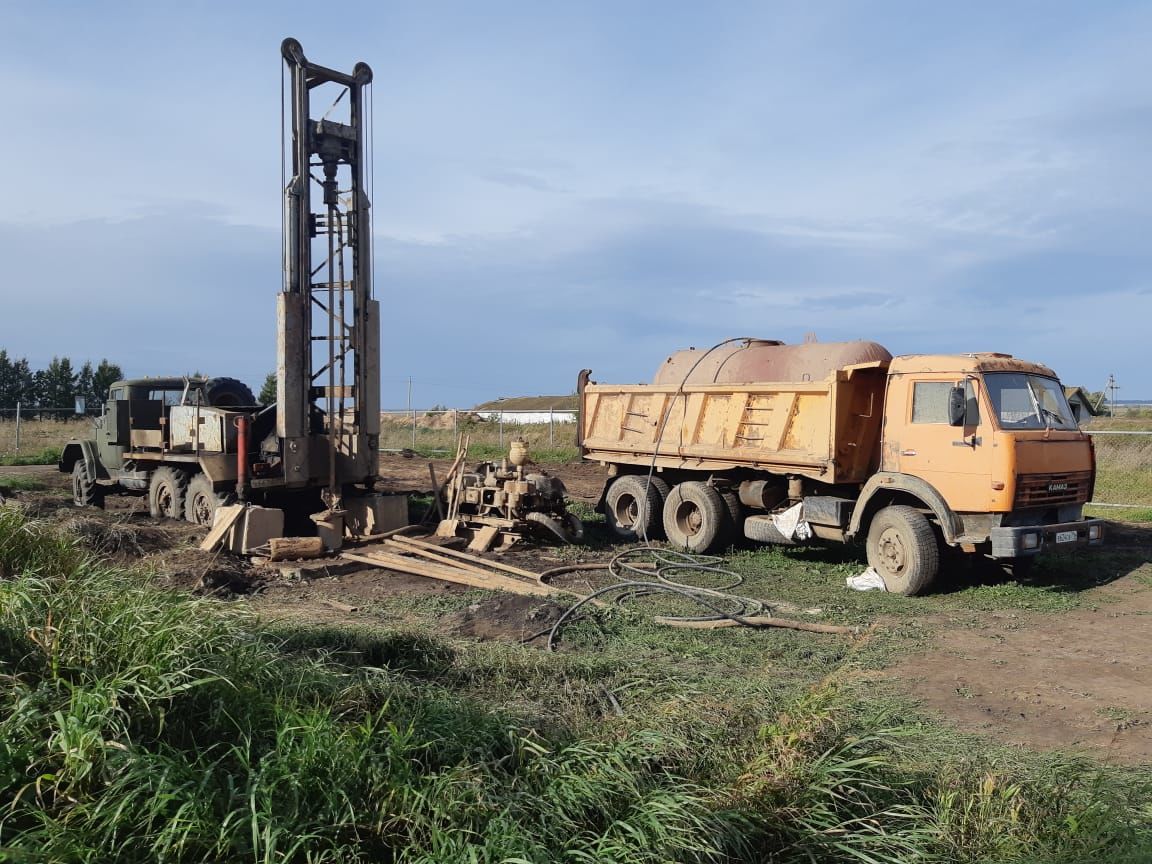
1027, 540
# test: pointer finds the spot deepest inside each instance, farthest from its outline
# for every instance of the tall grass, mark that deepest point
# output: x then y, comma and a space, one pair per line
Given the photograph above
436, 434
40, 436
139, 725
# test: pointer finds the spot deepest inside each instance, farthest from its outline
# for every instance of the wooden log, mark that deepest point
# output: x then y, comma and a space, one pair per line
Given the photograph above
289, 548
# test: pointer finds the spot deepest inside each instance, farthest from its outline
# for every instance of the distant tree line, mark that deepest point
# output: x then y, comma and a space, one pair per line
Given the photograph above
57, 386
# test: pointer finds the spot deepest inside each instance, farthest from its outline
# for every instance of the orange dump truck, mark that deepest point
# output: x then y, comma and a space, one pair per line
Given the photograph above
978, 453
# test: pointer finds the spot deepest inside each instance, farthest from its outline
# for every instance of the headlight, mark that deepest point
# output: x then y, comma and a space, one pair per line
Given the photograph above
1030, 540
1093, 532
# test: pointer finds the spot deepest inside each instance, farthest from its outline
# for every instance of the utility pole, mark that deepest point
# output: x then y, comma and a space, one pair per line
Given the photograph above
1111, 387
412, 412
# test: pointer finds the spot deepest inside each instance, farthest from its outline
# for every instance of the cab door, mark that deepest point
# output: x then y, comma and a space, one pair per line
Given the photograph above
955, 460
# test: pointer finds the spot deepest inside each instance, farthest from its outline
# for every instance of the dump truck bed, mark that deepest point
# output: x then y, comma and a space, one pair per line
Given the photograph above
828, 430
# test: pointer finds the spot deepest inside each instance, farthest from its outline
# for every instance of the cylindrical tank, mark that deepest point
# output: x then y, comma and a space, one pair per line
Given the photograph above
765, 360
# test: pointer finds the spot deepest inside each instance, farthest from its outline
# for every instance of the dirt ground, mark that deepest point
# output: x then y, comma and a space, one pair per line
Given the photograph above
1077, 679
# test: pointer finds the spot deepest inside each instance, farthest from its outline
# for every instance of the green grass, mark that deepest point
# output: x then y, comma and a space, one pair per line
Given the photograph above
45, 456
140, 725
18, 483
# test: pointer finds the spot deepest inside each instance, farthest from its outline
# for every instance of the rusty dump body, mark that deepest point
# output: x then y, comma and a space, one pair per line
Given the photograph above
979, 451
811, 410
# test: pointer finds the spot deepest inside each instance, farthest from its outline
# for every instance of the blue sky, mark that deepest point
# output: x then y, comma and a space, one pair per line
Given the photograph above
592, 184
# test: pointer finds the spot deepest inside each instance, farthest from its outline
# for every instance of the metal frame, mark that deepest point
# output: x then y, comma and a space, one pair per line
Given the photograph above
328, 366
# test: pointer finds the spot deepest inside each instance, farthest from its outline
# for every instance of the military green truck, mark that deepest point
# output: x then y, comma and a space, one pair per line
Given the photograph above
168, 438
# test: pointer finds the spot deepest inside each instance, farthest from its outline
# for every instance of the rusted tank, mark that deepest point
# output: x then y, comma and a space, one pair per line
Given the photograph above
809, 409
766, 360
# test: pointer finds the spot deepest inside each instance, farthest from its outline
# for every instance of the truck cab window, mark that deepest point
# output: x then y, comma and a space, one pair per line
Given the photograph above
930, 401
1024, 401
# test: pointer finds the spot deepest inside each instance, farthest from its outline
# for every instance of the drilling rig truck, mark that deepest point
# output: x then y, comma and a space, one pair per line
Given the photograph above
917, 455
190, 445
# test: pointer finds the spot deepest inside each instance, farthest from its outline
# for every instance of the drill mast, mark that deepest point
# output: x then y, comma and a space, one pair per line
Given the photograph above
328, 339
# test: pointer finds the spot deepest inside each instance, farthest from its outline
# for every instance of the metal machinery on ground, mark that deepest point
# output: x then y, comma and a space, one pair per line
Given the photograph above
316, 448
505, 499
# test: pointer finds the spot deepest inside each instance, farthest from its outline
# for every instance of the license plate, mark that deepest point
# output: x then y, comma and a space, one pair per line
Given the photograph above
1065, 536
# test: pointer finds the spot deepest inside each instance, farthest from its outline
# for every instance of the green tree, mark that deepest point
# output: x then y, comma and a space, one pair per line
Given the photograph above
84, 388
57, 385
105, 376
268, 391
7, 381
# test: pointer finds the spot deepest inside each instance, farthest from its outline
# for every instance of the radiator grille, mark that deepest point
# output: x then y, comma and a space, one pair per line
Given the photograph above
1038, 490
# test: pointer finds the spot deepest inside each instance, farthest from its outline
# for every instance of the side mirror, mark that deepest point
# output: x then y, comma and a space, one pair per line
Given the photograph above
957, 406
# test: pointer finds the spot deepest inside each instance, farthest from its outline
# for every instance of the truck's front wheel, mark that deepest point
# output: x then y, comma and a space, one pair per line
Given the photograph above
902, 548
86, 492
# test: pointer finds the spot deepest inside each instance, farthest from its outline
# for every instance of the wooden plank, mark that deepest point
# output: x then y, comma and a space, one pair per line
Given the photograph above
435, 557
452, 553
452, 574
226, 517
484, 539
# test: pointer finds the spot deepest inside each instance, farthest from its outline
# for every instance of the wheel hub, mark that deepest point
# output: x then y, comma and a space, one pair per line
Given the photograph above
627, 511
689, 519
892, 553
201, 510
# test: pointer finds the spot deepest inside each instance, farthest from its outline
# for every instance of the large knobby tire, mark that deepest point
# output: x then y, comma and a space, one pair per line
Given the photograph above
228, 393
166, 492
902, 548
202, 501
632, 507
695, 518
86, 492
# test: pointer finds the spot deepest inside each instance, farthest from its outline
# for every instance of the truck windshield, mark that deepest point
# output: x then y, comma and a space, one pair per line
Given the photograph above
1028, 401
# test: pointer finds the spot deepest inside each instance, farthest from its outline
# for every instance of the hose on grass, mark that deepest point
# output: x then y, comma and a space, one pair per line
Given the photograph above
648, 571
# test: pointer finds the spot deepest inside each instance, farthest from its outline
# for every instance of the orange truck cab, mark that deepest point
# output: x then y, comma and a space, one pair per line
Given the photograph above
979, 453
990, 444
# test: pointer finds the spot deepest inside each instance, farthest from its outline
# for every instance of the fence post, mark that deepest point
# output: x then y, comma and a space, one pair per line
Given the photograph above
551, 428
501, 430
17, 427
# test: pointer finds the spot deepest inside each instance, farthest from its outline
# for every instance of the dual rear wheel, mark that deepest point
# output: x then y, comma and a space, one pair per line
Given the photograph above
694, 516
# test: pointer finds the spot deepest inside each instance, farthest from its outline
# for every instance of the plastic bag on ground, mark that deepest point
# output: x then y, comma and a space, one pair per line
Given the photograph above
869, 580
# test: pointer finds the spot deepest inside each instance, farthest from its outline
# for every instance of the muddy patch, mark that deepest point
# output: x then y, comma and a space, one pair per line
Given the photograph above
506, 618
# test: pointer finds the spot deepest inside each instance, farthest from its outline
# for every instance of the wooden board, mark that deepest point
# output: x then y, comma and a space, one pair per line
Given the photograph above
226, 517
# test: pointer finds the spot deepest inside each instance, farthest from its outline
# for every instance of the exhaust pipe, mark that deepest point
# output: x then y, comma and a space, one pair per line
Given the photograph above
242, 457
